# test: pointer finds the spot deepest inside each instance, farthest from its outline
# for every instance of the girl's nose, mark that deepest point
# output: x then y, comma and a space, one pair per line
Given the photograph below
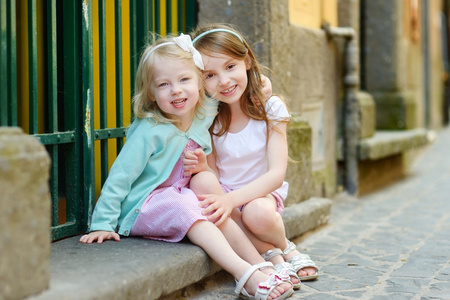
224, 80
175, 90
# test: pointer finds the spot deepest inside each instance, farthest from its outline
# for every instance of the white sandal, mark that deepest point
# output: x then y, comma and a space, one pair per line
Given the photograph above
264, 288
280, 267
300, 261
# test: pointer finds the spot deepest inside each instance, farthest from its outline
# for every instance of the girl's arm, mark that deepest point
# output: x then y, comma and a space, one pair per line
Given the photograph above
277, 155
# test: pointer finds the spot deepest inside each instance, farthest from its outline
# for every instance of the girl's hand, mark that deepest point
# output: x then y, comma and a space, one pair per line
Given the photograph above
217, 207
267, 86
194, 162
99, 236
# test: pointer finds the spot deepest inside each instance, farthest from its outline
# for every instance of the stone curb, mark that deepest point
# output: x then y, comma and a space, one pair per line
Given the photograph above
137, 268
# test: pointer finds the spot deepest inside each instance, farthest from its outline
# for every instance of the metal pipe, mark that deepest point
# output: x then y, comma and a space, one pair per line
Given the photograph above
351, 106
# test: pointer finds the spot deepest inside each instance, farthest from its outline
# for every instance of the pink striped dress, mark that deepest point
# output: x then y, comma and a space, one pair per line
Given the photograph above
171, 209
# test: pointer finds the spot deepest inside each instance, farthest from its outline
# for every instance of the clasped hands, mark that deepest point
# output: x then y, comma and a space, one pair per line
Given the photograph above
217, 207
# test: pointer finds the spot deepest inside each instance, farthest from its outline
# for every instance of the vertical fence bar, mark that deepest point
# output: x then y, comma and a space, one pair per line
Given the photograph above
88, 114
12, 66
4, 45
169, 16
157, 16
134, 45
119, 83
52, 102
190, 12
180, 16
103, 88
32, 66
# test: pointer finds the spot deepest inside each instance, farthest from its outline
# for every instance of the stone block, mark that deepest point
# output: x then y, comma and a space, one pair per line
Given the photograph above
299, 171
367, 114
24, 215
395, 110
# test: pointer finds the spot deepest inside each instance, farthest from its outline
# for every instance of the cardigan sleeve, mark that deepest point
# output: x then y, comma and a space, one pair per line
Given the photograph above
126, 169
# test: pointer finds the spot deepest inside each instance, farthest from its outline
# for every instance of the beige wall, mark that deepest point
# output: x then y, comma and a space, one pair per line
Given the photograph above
313, 13
303, 62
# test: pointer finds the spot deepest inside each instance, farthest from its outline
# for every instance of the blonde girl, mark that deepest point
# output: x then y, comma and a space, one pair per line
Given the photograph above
146, 193
250, 149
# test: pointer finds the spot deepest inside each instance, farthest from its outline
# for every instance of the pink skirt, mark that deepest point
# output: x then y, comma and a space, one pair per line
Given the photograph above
171, 209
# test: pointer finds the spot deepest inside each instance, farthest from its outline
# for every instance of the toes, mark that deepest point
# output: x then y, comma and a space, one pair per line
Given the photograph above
308, 271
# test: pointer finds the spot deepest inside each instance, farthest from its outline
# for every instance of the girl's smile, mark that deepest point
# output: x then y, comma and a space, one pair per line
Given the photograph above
225, 77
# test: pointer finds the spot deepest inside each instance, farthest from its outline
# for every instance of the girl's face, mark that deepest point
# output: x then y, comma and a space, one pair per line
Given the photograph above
225, 77
176, 87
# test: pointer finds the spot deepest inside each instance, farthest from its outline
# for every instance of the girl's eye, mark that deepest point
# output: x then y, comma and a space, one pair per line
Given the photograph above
229, 67
162, 84
207, 76
185, 79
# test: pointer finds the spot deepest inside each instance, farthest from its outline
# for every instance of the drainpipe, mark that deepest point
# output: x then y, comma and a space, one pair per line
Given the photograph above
351, 107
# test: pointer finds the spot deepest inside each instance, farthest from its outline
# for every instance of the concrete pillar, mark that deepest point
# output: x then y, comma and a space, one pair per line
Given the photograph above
24, 215
385, 60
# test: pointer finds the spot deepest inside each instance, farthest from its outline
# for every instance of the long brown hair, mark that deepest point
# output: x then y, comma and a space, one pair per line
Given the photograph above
253, 102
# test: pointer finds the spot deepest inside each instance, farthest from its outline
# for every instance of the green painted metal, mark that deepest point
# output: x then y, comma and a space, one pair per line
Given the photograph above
87, 96
52, 102
8, 66
12, 59
110, 133
103, 88
190, 14
67, 195
169, 17
69, 135
118, 61
56, 138
157, 16
4, 89
180, 16
32, 66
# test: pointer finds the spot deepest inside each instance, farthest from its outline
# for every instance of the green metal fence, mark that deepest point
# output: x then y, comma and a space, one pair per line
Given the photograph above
60, 103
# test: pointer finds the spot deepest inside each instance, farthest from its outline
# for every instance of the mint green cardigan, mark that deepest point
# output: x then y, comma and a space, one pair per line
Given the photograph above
145, 161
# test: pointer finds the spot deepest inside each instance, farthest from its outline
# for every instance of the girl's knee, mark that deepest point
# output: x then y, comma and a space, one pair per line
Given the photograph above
260, 218
205, 182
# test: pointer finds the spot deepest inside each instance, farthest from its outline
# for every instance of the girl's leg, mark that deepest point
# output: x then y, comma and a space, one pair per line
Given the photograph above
206, 235
262, 219
243, 244
207, 183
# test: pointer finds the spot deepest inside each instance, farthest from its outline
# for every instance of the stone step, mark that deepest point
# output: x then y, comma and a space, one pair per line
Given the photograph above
136, 268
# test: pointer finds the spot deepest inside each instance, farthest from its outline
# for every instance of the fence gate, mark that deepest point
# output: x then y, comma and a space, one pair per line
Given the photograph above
66, 75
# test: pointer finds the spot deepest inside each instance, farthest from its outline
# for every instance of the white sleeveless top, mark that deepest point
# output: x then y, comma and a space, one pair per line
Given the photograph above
242, 155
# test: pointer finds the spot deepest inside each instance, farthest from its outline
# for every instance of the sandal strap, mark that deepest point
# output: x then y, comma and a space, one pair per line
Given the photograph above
265, 265
301, 261
289, 268
241, 282
271, 253
289, 248
262, 265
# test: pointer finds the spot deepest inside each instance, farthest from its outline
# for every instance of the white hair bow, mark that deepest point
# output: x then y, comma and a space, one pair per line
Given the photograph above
185, 43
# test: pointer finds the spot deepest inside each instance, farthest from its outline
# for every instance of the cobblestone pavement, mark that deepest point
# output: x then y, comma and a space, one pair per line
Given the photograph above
391, 244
